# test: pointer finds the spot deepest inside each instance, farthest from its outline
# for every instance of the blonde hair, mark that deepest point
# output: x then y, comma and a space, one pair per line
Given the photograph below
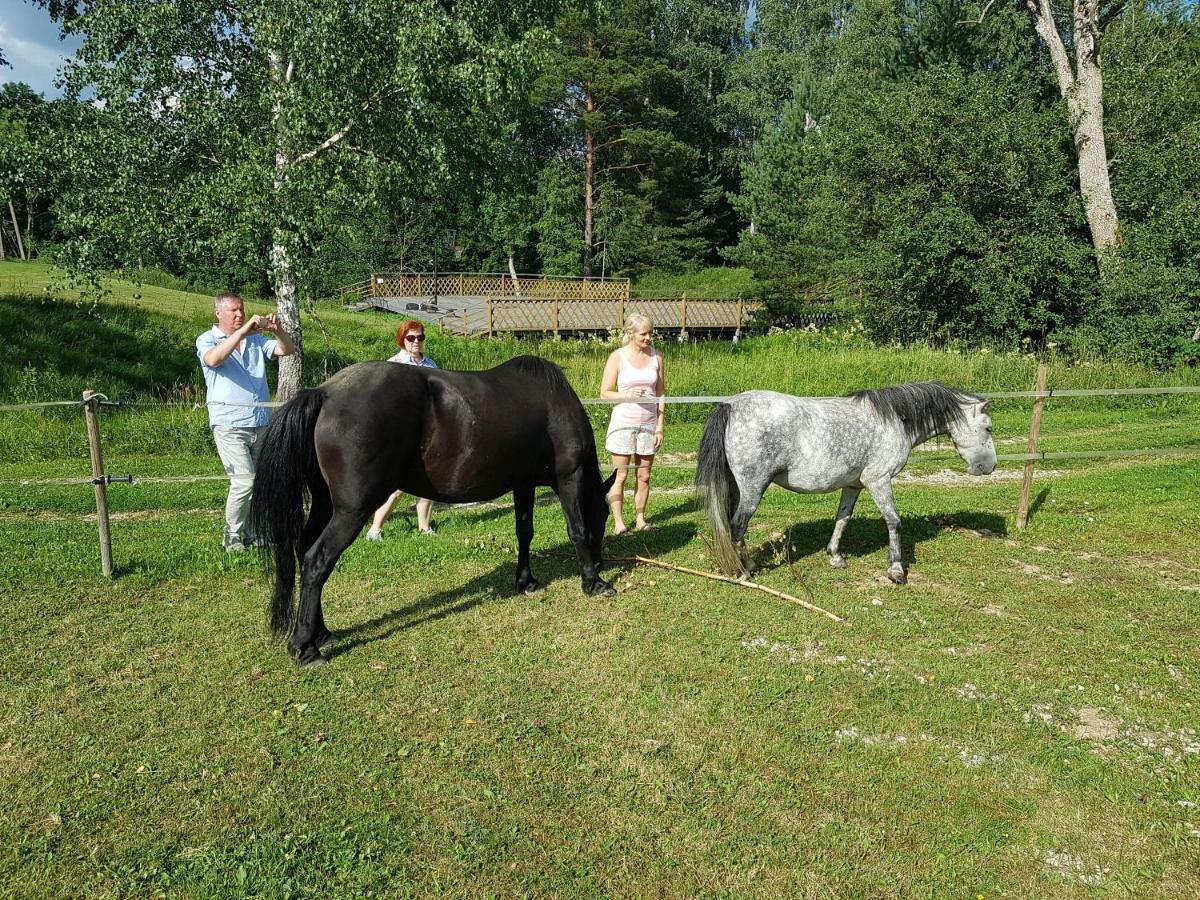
633, 322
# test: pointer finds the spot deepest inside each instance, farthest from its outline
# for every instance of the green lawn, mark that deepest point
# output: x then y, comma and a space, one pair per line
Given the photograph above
1018, 721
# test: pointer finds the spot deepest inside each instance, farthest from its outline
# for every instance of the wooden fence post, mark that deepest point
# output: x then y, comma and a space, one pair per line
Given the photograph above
91, 402
491, 318
555, 302
1035, 426
683, 316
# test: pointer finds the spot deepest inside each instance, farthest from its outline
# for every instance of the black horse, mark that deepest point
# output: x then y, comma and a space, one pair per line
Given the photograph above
457, 437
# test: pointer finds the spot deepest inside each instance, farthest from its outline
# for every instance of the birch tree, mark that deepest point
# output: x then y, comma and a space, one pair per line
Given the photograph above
1072, 39
236, 130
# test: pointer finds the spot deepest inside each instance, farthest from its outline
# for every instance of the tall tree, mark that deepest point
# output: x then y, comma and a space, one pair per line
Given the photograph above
241, 128
1081, 84
606, 86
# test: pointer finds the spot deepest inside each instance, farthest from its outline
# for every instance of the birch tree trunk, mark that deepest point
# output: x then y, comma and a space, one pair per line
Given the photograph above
283, 273
283, 276
1083, 89
12, 211
512, 271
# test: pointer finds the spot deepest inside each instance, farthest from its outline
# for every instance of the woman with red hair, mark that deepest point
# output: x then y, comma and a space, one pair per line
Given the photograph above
410, 337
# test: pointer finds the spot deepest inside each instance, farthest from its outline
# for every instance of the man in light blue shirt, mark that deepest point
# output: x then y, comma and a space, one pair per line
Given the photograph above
233, 355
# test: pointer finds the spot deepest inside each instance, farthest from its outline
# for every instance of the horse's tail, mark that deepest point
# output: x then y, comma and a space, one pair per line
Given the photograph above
285, 477
718, 491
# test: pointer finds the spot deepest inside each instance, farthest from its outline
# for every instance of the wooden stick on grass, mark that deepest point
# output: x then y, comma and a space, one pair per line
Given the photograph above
750, 584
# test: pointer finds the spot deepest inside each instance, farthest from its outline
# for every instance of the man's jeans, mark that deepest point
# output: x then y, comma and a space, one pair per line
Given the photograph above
238, 449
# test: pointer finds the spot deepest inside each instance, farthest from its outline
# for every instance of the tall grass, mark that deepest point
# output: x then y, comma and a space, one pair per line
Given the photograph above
137, 346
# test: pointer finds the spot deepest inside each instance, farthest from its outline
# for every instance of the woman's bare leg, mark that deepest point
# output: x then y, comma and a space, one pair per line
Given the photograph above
616, 494
383, 512
424, 507
642, 492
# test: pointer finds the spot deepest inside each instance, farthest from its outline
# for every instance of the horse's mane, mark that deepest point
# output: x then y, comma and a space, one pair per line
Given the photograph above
542, 368
923, 408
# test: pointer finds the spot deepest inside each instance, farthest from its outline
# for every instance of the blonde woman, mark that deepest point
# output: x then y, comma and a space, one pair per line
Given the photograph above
634, 374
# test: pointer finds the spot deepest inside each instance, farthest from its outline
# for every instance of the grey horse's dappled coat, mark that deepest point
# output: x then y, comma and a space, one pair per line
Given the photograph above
820, 444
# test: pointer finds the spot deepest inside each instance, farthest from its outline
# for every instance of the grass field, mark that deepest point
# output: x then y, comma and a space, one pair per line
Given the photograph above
1018, 721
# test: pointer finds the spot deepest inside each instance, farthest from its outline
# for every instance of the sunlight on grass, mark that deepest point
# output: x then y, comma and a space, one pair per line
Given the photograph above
1019, 720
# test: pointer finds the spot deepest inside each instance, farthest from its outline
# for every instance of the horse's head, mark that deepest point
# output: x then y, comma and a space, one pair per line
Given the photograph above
972, 436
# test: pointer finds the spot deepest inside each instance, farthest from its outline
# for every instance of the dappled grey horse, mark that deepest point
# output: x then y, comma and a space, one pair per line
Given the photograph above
813, 445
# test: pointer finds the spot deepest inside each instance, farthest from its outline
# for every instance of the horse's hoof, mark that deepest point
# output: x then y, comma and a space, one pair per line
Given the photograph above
600, 588
897, 575
311, 659
531, 587
838, 562
326, 641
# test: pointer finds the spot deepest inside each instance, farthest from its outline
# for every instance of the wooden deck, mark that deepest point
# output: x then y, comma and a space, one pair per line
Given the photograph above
473, 304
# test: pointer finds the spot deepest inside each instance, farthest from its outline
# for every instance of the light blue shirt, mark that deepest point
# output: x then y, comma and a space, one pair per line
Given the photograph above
241, 379
405, 360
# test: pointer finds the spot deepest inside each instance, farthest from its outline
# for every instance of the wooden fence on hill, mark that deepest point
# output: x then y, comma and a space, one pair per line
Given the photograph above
473, 303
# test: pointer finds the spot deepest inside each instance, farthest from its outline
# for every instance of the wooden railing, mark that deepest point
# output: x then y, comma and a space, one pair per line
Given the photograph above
558, 314
489, 303
476, 284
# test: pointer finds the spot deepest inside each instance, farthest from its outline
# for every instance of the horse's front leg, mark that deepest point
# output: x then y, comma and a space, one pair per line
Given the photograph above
570, 495
845, 511
523, 509
881, 493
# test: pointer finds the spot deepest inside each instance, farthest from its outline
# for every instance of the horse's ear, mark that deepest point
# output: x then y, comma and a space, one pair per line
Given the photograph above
986, 408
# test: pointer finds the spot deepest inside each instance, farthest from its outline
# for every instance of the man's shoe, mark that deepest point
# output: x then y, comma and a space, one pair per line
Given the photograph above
374, 535
234, 545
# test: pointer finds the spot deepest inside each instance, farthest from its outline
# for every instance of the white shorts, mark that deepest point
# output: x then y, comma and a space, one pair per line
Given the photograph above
631, 440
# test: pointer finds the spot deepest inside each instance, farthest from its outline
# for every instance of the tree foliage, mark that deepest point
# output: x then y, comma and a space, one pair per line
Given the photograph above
913, 162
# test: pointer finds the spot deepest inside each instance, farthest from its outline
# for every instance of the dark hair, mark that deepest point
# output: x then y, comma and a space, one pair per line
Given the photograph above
405, 327
923, 407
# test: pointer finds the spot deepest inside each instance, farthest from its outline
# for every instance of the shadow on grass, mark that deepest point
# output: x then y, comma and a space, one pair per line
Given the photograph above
867, 535
553, 564
120, 350
1037, 502
103, 344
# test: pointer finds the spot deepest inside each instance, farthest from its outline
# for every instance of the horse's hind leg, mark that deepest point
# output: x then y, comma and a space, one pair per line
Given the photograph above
523, 510
748, 499
845, 511
319, 515
318, 563
881, 493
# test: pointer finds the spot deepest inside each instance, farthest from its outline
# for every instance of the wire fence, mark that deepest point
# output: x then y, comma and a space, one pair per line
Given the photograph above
91, 402
1039, 456
1056, 393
